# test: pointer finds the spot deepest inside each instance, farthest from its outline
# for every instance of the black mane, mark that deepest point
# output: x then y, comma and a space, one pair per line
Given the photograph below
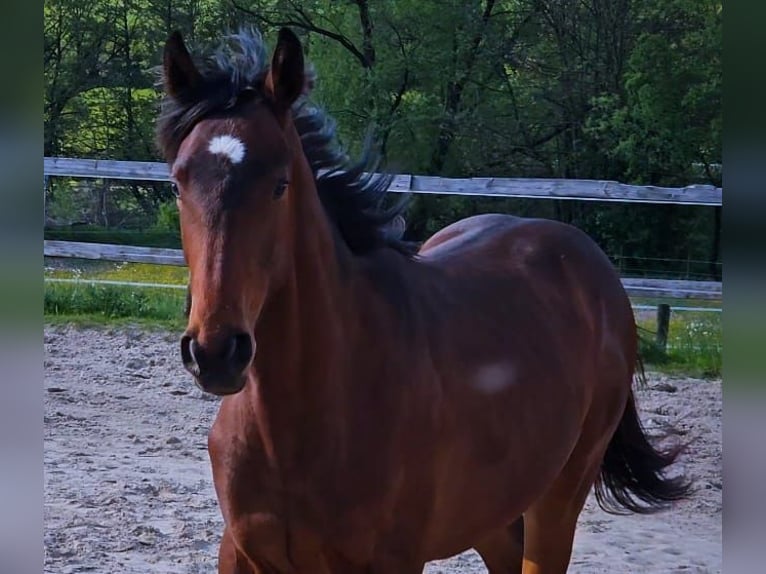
352, 194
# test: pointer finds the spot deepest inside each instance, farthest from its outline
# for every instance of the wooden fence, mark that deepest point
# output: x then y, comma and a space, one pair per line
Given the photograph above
592, 190
580, 189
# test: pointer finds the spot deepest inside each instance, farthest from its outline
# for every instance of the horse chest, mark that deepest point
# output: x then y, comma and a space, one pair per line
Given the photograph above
297, 521
316, 498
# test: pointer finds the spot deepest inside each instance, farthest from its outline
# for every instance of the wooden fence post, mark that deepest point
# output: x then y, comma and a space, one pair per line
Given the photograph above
663, 325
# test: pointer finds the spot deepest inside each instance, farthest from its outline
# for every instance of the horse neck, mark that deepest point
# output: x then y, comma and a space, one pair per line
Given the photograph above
300, 335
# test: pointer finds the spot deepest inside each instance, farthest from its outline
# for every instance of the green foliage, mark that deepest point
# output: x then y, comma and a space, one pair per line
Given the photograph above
622, 90
698, 344
113, 302
695, 344
167, 219
671, 115
651, 353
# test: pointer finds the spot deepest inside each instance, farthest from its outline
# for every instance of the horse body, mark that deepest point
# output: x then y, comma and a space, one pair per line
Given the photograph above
380, 409
447, 429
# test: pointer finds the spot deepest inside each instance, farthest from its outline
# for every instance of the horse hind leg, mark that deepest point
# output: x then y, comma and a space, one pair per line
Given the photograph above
541, 541
624, 466
550, 522
503, 550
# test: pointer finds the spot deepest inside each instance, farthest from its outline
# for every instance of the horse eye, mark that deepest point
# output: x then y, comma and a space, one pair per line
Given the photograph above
174, 189
280, 189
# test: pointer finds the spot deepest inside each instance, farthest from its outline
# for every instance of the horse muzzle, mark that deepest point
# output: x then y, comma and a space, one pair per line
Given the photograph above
218, 364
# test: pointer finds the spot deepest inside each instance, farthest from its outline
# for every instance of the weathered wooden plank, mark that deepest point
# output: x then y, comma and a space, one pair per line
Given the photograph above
671, 294
673, 288
683, 284
108, 252
579, 189
108, 169
661, 293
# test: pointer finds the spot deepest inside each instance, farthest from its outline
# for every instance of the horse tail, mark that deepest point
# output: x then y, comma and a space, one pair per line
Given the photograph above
633, 471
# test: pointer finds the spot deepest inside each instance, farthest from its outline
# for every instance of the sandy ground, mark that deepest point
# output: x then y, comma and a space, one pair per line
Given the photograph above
128, 486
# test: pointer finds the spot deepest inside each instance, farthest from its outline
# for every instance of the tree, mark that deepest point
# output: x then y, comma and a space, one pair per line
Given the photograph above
605, 89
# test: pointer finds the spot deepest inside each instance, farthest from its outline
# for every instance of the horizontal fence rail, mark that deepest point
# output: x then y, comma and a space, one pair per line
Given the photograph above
636, 287
531, 188
673, 288
108, 252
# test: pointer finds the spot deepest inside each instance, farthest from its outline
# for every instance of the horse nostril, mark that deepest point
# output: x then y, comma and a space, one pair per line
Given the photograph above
240, 351
226, 356
231, 351
188, 348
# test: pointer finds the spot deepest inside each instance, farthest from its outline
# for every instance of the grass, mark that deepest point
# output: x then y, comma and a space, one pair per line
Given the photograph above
102, 304
88, 304
695, 345
134, 272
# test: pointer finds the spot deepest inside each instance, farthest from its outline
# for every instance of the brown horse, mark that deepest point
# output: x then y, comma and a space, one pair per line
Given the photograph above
384, 407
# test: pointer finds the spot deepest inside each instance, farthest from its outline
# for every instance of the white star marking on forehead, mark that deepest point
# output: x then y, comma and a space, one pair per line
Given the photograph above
228, 146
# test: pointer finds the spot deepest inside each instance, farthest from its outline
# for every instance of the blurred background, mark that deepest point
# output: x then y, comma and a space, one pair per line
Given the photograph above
621, 90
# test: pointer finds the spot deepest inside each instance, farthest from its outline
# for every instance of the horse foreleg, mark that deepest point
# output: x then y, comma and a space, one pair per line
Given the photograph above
230, 560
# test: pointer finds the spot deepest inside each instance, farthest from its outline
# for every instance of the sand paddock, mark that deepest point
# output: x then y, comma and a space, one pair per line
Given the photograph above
128, 486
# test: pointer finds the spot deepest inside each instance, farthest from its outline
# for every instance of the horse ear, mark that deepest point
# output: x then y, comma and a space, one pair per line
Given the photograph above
179, 72
287, 69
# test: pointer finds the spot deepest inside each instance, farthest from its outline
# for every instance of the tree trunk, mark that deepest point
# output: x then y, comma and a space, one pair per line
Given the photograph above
454, 95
